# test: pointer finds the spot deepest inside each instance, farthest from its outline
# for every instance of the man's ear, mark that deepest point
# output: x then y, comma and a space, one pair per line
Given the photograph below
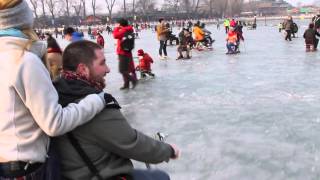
83, 69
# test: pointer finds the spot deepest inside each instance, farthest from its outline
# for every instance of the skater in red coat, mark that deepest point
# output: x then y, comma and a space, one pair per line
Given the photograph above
145, 62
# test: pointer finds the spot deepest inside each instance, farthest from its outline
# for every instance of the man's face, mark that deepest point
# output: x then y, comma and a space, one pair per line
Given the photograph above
68, 37
99, 69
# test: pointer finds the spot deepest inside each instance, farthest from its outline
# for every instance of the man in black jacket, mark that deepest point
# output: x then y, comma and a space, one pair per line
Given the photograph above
108, 142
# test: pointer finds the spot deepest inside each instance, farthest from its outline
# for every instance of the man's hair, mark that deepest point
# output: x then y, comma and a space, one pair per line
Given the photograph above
79, 52
160, 20
123, 22
69, 31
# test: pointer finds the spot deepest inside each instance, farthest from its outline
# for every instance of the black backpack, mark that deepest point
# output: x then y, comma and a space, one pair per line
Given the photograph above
316, 21
127, 42
295, 28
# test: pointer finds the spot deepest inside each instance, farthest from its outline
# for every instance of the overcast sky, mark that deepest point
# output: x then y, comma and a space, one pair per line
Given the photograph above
294, 2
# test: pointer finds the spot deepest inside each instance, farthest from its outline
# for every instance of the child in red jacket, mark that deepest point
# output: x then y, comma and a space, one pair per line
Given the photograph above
100, 40
144, 64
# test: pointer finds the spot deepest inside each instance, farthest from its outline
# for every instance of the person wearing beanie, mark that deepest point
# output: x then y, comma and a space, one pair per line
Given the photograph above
53, 58
72, 35
30, 111
126, 64
144, 66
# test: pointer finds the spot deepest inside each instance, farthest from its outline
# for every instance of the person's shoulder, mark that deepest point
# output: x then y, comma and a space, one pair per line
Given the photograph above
109, 113
30, 58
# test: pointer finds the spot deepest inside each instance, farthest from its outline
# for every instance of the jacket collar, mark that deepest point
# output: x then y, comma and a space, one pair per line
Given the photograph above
8, 43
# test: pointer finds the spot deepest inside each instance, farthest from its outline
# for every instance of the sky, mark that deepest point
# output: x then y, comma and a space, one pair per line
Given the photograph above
294, 2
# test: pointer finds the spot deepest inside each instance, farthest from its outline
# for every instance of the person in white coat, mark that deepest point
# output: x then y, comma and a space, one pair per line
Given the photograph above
29, 109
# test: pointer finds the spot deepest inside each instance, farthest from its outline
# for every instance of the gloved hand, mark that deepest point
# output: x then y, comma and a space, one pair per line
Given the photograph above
109, 100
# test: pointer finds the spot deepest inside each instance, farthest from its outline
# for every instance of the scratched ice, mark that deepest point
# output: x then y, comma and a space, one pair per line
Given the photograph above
249, 116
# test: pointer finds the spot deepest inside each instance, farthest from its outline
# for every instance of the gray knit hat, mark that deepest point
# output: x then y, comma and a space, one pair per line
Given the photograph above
19, 17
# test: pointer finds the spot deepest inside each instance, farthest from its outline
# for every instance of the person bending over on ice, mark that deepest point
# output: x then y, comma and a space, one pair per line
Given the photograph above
310, 38
185, 43
232, 39
108, 141
145, 62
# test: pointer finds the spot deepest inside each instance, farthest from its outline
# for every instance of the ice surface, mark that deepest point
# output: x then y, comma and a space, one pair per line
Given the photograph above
252, 116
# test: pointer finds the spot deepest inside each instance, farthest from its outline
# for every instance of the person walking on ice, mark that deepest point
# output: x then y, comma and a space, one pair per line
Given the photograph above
162, 32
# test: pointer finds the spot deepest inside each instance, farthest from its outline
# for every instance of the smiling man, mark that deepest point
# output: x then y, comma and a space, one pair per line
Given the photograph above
103, 148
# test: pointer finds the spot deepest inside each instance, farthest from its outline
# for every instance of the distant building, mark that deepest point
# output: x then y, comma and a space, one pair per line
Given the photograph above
92, 20
268, 7
304, 10
273, 7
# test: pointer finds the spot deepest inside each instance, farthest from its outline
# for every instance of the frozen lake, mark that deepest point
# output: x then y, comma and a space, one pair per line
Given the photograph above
250, 116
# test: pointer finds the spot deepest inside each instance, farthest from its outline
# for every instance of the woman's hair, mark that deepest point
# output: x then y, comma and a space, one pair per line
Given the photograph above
6, 4
52, 43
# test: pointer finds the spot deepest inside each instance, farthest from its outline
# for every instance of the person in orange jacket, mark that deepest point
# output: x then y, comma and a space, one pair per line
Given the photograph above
198, 33
145, 62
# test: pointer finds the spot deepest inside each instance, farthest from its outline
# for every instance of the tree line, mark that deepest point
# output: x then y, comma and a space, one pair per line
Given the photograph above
73, 11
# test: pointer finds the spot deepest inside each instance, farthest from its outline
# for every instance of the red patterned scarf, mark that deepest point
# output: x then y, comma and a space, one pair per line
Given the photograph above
70, 75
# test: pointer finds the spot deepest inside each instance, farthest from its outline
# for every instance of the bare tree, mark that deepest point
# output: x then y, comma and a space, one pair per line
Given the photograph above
133, 6
221, 7
196, 6
186, 4
110, 5
67, 3
77, 6
236, 7
210, 4
52, 8
43, 8
190, 6
171, 5
93, 5
253, 5
124, 8
145, 6
84, 8
34, 4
